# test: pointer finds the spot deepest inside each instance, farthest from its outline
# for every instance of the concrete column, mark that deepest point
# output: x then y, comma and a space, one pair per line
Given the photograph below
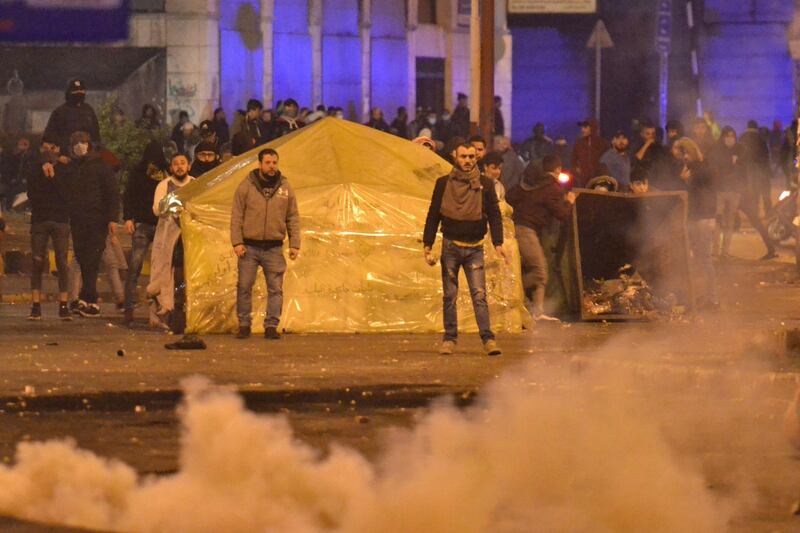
412, 8
192, 39
315, 30
365, 31
267, 18
503, 62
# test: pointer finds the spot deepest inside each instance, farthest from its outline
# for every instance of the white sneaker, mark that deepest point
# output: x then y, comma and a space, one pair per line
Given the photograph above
545, 318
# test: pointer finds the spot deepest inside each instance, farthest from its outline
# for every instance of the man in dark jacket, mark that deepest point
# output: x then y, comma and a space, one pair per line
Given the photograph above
15, 169
499, 122
264, 211
205, 159
464, 202
137, 211
459, 120
377, 121
49, 221
586, 153
537, 146
537, 202
71, 116
93, 195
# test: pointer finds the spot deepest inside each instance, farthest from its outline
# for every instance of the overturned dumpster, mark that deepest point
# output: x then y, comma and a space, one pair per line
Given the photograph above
631, 256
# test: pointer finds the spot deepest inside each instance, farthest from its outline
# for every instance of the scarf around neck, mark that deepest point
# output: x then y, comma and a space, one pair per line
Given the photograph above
463, 195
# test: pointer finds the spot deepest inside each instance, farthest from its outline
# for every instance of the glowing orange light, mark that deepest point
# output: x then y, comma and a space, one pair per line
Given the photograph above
563, 178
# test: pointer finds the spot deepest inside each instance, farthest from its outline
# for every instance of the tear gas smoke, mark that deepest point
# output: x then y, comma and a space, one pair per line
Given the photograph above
545, 449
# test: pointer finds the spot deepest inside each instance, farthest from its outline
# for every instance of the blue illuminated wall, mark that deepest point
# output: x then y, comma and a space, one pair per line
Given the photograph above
551, 81
746, 69
241, 53
341, 56
389, 57
292, 51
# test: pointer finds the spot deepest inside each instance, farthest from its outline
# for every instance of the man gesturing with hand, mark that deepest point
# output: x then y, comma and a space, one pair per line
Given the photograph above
463, 203
264, 212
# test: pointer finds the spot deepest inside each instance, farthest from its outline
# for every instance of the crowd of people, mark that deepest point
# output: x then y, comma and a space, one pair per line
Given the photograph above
73, 189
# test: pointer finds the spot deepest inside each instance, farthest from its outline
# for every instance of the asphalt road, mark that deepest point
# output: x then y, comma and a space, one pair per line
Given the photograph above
67, 379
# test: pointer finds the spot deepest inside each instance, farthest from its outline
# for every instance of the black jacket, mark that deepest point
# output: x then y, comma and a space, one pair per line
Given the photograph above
137, 202
69, 118
48, 196
464, 230
92, 189
727, 168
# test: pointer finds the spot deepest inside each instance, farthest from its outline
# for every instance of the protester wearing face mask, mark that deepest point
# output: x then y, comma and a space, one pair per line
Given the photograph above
205, 159
71, 116
93, 198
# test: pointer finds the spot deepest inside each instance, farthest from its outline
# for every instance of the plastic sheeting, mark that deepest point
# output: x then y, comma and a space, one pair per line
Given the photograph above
363, 196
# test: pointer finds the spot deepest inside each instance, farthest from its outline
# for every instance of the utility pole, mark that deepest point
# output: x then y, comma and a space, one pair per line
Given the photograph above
663, 45
599, 39
486, 124
482, 65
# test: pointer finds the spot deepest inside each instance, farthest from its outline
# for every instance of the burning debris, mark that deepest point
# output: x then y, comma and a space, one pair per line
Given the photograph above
631, 296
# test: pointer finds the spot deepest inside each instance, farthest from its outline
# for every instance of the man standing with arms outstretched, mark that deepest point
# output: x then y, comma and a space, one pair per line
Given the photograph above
264, 212
463, 203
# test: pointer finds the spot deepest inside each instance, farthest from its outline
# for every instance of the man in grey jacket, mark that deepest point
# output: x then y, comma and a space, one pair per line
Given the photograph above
264, 212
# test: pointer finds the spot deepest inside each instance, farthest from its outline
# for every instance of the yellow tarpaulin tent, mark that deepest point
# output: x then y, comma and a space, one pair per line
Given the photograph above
363, 196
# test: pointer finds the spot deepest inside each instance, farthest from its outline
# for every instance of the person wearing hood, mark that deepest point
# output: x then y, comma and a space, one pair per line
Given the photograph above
93, 199
728, 174
464, 203
253, 131
264, 212
49, 221
537, 202
137, 211
537, 145
205, 159
71, 116
288, 121
586, 153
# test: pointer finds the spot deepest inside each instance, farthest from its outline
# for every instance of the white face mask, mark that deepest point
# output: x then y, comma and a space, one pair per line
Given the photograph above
431, 120
730, 142
80, 149
339, 115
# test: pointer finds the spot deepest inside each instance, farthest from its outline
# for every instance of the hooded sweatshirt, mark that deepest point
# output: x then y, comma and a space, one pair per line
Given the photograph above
264, 212
73, 115
538, 201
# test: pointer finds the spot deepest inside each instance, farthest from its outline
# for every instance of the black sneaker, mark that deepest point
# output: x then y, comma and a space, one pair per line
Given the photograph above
36, 312
63, 312
73, 307
88, 310
272, 333
244, 332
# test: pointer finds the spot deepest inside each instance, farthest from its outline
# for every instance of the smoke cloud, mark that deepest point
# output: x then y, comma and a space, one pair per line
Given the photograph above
586, 446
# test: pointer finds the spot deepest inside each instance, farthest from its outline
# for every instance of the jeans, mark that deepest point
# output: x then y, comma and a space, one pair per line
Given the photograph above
471, 259
41, 232
534, 268
274, 265
701, 236
89, 241
727, 207
140, 242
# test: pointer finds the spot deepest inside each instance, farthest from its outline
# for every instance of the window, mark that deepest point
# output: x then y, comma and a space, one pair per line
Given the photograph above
426, 12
